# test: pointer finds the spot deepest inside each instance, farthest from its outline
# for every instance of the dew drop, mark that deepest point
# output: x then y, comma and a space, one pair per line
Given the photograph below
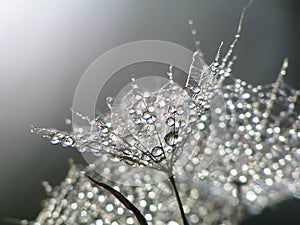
146, 94
170, 121
161, 103
145, 157
192, 105
251, 196
137, 97
180, 110
109, 102
127, 152
67, 141
82, 149
137, 121
157, 151
151, 120
55, 140
114, 159
68, 121
95, 152
129, 162
104, 130
195, 90
172, 110
171, 138
146, 115
131, 110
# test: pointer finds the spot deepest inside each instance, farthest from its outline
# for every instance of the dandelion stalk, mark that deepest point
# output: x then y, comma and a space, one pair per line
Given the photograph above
173, 183
141, 219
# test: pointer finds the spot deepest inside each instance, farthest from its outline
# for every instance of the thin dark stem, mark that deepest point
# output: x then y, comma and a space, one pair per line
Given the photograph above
238, 215
172, 181
139, 216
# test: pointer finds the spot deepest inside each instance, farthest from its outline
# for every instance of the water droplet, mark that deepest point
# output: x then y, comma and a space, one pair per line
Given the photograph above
151, 120
131, 110
114, 159
162, 103
137, 97
145, 157
192, 105
182, 123
170, 122
157, 151
127, 152
82, 149
104, 131
33, 129
67, 141
172, 110
95, 152
171, 138
109, 102
54, 140
195, 90
137, 121
129, 162
68, 121
170, 73
146, 115
251, 196
151, 109
146, 94
180, 110
57, 138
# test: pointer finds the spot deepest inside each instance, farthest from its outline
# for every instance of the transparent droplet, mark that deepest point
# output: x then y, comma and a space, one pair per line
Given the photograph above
131, 110
180, 110
170, 121
67, 141
146, 94
171, 138
157, 151
146, 115
104, 130
151, 120
251, 196
195, 90
137, 97
137, 121
95, 152
172, 110
145, 157
109, 102
127, 152
55, 140
68, 121
129, 162
192, 105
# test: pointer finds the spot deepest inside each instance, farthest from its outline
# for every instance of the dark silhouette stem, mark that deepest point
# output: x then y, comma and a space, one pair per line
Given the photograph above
172, 181
140, 217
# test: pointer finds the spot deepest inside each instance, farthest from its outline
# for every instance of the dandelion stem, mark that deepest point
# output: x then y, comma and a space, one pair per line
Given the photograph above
173, 183
139, 216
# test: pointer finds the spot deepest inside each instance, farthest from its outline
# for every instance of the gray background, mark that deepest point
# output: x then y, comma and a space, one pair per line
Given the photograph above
45, 46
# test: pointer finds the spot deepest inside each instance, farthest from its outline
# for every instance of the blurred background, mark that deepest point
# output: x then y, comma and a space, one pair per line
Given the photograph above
45, 47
